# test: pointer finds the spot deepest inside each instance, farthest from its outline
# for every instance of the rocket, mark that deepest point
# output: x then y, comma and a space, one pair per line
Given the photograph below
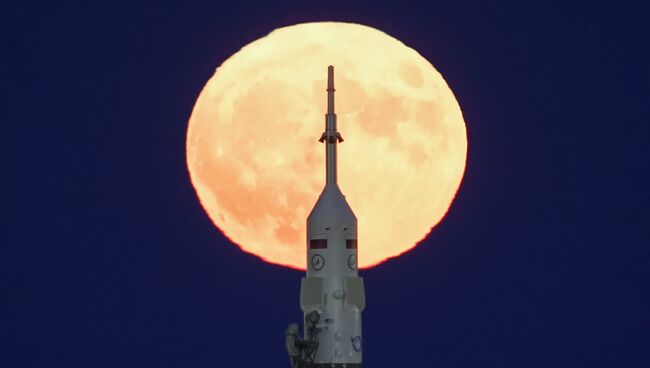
332, 294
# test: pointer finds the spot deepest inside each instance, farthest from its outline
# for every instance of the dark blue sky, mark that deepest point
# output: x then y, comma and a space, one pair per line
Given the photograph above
108, 259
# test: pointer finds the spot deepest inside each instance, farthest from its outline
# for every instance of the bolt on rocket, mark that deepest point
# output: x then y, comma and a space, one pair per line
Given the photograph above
332, 294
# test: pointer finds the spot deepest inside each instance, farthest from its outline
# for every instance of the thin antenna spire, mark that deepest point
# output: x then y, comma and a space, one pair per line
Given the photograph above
331, 137
330, 89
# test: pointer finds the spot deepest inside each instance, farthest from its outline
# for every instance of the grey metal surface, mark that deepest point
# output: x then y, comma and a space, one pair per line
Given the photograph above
311, 292
354, 292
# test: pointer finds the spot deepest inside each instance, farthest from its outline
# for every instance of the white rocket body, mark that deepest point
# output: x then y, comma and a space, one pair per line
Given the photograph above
332, 294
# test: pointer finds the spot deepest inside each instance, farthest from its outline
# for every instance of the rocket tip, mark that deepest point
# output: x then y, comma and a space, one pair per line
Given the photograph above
330, 77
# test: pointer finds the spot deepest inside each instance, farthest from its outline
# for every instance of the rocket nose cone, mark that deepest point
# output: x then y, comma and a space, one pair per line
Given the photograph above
331, 205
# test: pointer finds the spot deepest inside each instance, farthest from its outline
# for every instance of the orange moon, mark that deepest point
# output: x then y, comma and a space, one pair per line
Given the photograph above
256, 164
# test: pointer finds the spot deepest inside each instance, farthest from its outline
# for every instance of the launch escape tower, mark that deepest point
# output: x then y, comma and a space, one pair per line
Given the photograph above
332, 294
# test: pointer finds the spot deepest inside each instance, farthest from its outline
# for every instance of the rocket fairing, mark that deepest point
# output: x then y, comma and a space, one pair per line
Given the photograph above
332, 294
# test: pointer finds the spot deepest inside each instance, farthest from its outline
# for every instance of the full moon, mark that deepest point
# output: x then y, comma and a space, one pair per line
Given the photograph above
256, 164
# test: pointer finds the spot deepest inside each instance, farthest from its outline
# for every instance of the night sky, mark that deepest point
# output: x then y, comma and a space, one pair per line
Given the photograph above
108, 259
